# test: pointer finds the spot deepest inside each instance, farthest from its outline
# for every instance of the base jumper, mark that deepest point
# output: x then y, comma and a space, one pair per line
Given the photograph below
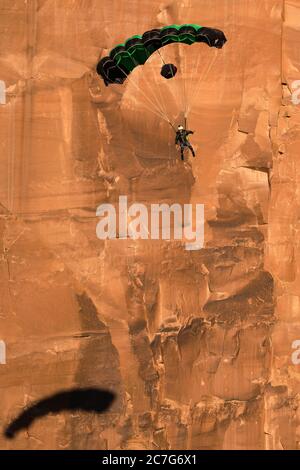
182, 140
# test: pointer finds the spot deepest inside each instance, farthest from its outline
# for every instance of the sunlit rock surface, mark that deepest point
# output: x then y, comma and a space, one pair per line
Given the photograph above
196, 345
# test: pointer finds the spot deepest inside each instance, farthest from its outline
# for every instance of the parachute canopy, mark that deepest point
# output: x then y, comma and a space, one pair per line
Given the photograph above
124, 58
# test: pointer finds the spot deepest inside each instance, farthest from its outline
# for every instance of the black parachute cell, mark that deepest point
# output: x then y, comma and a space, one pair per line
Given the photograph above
211, 37
187, 29
152, 40
168, 71
169, 36
116, 51
110, 72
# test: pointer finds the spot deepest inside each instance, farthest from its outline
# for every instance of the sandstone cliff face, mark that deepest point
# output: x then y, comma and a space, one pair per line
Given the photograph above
196, 345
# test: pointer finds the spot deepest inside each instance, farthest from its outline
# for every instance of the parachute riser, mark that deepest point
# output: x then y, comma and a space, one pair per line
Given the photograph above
172, 127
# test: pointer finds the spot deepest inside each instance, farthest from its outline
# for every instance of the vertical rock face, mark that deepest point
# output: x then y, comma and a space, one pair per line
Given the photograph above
196, 345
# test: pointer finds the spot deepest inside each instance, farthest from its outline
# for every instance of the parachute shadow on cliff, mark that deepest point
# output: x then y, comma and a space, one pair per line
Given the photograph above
91, 400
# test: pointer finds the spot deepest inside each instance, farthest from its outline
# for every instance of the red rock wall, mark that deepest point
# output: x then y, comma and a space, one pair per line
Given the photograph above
196, 345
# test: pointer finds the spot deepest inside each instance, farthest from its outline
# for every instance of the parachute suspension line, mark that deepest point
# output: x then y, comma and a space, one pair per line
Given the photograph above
163, 105
171, 83
195, 91
159, 104
172, 127
194, 88
193, 77
157, 111
158, 51
160, 101
205, 75
188, 84
176, 89
183, 74
183, 66
161, 97
153, 109
181, 82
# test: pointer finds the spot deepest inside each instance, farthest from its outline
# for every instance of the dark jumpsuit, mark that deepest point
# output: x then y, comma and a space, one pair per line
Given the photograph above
181, 139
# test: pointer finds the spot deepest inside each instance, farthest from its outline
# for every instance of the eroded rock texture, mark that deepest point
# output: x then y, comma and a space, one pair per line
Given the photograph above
196, 345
